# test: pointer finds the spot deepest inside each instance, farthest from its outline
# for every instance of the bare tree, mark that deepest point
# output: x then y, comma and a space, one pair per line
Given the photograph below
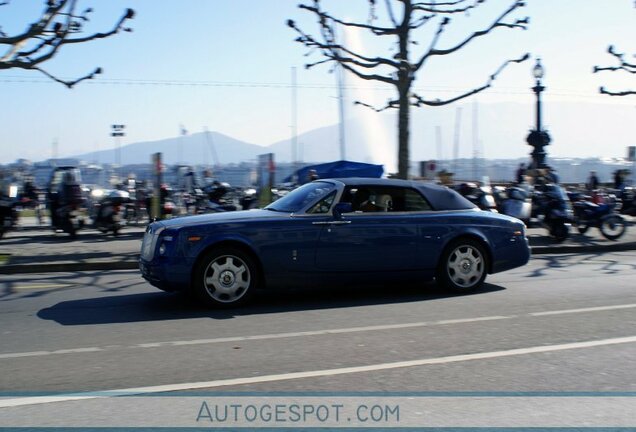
622, 65
59, 24
401, 69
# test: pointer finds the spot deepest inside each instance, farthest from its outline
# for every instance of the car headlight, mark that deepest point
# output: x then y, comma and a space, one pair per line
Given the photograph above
163, 247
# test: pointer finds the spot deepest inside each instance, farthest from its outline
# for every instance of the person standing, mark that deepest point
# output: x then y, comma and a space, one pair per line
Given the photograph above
521, 173
592, 181
618, 179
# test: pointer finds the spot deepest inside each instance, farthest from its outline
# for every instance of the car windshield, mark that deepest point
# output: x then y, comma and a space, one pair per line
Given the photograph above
299, 198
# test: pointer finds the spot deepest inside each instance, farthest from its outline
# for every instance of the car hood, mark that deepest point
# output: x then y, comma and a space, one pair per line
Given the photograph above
222, 217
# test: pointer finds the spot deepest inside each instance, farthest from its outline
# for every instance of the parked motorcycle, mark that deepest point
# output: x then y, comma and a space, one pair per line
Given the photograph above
514, 201
167, 207
598, 211
110, 212
553, 208
8, 214
248, 199
217, 201
481, 196
628, 201
65, 200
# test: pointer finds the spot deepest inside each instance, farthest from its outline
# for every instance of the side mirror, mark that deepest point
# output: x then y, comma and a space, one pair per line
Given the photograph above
340, 208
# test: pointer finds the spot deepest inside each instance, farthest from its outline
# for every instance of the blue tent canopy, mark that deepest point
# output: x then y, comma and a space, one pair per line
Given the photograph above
338, 169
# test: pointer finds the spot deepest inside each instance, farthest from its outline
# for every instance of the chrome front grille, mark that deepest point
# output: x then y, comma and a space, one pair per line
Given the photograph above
149, 243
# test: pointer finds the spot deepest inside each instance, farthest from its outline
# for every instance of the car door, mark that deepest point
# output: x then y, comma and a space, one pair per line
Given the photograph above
365, 241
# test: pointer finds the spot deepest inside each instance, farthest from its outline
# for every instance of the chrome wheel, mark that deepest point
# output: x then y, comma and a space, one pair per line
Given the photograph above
465, 266
227, 278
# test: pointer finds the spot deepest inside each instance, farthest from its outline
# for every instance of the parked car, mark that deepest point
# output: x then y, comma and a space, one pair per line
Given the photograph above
334, 231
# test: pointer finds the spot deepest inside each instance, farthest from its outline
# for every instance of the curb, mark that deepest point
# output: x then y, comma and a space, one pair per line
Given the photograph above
68, 267
614, 247
134, 265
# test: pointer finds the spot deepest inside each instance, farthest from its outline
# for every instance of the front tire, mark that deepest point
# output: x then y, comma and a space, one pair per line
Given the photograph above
463, 266
225, 278
560, 231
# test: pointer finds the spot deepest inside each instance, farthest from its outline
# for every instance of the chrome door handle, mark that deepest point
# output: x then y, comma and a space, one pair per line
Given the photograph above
339, 222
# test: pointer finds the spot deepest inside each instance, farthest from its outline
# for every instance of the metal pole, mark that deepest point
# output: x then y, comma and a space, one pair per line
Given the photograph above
458, 120
294, 113
538, 89
341, 109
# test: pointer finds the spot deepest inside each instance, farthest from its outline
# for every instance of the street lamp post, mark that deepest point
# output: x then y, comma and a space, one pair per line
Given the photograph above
538, 138
117, 131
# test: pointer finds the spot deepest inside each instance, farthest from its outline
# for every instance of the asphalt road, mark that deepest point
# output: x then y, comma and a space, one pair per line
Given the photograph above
562, 323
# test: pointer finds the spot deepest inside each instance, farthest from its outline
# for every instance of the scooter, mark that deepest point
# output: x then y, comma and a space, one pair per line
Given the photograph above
552, 206
110, 212
481, 196
514, 201
598, 211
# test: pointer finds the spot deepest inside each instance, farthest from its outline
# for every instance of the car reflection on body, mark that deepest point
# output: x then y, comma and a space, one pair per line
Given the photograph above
334, 231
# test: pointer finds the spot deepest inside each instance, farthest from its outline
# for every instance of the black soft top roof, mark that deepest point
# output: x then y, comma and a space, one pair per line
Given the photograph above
440, 197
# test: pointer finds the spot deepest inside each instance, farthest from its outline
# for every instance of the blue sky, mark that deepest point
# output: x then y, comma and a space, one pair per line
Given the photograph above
240, 52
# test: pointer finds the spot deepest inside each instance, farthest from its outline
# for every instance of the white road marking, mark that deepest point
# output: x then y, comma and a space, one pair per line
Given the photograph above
311, 332
41, 286
583, 310
33, 400
46, 353
316, 332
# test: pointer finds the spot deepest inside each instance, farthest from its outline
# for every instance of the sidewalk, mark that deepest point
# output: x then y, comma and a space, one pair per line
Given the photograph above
35, 249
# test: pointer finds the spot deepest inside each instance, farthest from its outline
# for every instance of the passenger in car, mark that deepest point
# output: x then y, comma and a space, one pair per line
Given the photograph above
377, 203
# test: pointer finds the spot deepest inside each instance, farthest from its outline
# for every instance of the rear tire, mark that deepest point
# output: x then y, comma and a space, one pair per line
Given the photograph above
225, 278
463, 266
613, 227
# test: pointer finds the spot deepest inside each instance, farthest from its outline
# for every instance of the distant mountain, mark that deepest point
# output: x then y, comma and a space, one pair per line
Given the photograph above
198, 148
577, 130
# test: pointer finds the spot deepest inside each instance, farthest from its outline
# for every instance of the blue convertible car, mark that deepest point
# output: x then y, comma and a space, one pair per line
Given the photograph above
336, 230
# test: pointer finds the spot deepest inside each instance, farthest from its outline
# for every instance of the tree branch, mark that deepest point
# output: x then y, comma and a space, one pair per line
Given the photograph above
70, 83
325, 17
622, 66
45, 37
602, 90
419, 101
434, 7
520, 23
333, 52
390, 104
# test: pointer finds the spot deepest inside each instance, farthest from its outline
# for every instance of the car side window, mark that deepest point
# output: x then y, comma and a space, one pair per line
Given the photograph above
323, 206
379, 199
414, 201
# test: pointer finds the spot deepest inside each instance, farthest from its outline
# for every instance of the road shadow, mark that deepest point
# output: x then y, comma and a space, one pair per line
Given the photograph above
160, 306
87, 237
604, 263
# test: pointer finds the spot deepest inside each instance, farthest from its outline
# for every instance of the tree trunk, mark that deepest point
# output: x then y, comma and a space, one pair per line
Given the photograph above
403, 134
404, 82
